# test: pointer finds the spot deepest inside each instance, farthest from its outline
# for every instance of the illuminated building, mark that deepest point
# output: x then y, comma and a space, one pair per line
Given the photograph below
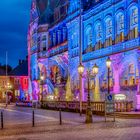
15, 84
109, 28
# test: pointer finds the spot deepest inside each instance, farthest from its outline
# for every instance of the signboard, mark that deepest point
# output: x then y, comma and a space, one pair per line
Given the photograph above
109, 105
120, 97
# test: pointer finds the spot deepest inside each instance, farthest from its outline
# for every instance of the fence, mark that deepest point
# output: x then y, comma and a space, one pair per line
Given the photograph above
97, 107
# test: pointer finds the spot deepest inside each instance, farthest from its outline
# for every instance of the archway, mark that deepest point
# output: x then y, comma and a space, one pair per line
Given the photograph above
10, 96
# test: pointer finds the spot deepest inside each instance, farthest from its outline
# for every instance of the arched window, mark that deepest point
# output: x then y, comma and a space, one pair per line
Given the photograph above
88, 47
99, 35
109, 29
120, 27
133, 23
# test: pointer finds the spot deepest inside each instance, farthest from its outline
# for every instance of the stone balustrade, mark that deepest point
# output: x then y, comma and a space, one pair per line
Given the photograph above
97, 107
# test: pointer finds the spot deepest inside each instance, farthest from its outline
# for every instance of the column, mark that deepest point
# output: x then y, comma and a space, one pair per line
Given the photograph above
64, 33
54, 39
138, 87
139, 17
116, 87
59, 36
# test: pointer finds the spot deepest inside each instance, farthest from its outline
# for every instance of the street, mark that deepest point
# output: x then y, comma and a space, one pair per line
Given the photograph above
18, 126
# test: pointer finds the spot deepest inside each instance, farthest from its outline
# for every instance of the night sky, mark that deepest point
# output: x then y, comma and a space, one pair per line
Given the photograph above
14, 20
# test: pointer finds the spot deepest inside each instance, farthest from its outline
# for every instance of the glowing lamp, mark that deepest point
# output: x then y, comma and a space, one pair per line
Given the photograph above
95, 69
42, 77
80, 69
108, 62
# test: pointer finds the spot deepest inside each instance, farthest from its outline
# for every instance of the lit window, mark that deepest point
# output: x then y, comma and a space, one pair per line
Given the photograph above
89, 38
121, 22
108, 27
99, 32
88, 46
134, 16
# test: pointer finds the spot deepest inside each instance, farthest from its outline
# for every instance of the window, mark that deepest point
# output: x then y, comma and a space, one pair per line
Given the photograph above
108, 27
135, 32
99, 32
121, 36
120, 28
88, 44
125, 82
134, 16
120, 22
25, 81
44, 44
131, 69
89, 39
133, 23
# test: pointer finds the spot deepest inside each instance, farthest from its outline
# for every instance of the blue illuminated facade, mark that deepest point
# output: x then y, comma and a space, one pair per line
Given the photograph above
108, 28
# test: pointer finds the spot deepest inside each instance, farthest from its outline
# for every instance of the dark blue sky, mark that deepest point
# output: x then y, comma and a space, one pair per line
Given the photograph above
14, 20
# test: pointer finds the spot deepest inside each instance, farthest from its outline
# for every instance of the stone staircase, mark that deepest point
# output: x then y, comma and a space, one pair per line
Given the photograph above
127, 115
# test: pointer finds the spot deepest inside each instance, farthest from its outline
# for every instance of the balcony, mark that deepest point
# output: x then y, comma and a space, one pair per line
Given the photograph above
58, 50
53, 51
114, 49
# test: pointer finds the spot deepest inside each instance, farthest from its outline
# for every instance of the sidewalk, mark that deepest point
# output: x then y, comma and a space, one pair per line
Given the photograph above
18, 126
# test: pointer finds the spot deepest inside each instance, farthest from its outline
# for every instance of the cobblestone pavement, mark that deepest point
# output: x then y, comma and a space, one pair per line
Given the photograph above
18, 126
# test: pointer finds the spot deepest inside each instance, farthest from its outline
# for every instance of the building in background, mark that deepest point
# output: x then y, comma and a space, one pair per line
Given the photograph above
110, 28
15, 84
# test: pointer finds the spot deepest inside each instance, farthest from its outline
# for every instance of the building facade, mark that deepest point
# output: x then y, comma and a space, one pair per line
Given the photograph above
108, 28
15, 85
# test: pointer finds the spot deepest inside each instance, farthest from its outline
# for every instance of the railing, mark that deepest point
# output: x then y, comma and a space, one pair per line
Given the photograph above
97, 107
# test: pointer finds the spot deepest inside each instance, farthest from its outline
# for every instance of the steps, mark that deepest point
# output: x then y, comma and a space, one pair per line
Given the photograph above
127, 115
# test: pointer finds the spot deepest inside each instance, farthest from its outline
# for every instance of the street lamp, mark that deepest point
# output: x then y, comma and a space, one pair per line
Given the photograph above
41, 82
80, 71
108, 64
89, 111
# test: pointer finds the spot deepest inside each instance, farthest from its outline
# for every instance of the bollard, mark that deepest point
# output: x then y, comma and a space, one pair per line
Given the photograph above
33, 118
60, 117
1, 119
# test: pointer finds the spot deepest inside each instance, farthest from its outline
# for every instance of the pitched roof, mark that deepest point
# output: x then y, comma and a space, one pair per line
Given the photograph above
20, 70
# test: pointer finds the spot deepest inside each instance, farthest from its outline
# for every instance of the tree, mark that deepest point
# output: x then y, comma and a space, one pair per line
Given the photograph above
3, 67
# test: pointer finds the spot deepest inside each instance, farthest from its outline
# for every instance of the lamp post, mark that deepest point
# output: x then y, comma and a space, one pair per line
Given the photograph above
94, 72
80, 56
108, 64
41, 82
89, 111
80, 71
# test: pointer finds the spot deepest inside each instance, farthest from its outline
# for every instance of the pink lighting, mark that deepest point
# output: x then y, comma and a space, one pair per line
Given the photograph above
116, 88
138, 102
